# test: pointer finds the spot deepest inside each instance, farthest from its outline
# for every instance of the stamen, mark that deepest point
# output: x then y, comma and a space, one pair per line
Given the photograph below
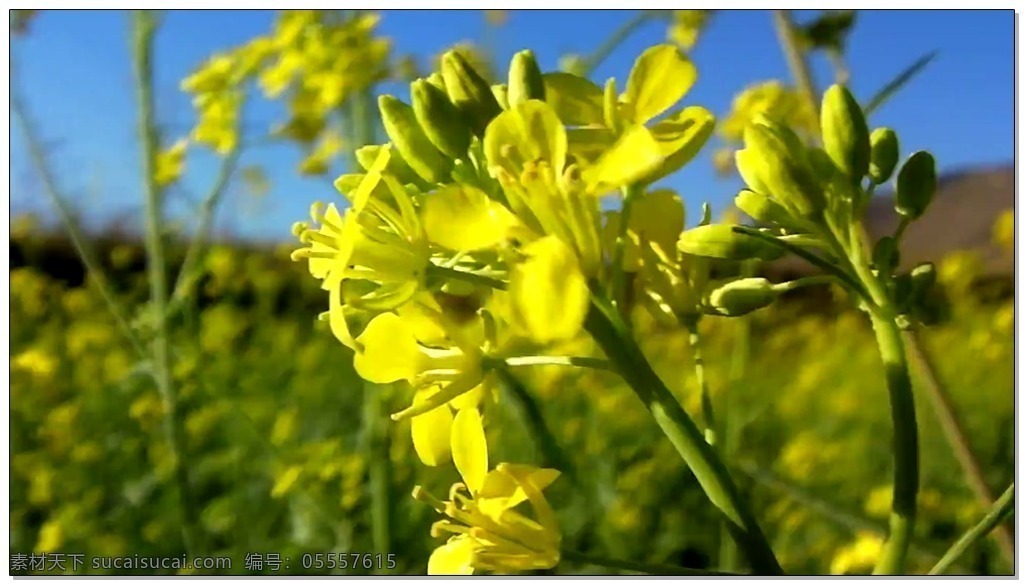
316, 211
299, 227
422, 495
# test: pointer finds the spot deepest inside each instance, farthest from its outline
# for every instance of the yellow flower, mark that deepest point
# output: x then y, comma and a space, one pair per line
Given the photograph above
484, 530
687, 26
170, 163
374, 258
858, 557
37, 362
772, 99
1003, 230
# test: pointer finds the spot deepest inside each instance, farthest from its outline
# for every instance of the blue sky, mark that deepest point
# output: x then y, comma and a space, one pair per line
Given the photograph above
75, 71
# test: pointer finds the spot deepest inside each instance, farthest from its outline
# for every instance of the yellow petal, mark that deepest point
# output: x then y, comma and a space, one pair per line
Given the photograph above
469, 448
680, 137
633, 157
389, 351
470, 399
576, 100
527, 133
548, 291
465, 219
661, 76
431, 434
453, 558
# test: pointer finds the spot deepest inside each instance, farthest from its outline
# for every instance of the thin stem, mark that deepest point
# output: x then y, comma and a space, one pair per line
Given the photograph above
186, 279
805, 281
611, 333
844, 518
796, 59
706, 407
614, 40
634, 567
378, 447
143, 31
559, 360
817, 261
551, 452
630, 194
466, 276
999, 511
958, 440
86, 254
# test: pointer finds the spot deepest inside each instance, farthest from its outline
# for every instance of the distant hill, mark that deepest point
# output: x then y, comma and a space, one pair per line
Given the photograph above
960, 217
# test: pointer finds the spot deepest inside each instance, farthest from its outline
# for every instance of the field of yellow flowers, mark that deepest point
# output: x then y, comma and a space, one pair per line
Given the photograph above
504, 349
277, 452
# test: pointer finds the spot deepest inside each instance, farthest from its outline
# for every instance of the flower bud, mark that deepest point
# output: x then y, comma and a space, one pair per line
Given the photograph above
742, 296
779, 162
500, 92
922, 279
469, 91
440, 119
761, 208
525, 80
915, 185
885, 153
886, 254
411, 142
844, 133
367, 155
720, 241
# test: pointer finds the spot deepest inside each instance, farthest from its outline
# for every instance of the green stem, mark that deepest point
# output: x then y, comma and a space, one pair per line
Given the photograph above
634, 567
796, 59
710, 429
612, 335
551, 452
901, 403
630, 194
614, 40
559, 360
143, 31
379, 450
999, 511
905, 448
805, 281
186, 279
466, 276
93, 268
821, 263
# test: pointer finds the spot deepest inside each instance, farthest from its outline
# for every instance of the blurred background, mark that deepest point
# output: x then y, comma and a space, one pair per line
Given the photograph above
278, 450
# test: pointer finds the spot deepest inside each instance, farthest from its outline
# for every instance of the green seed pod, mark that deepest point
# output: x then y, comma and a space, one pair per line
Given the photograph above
761, 208
720, 241
742, 296
844, 132
525, 80
781, 165
915, 185
397, 166
500, 92
441, 121
469, 91
612, 119
411, 142
886, 254
885, 154
922, 279
437, 81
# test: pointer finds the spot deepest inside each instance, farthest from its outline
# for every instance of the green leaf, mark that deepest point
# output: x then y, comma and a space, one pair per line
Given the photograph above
898, 82
576, 100
660, 77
